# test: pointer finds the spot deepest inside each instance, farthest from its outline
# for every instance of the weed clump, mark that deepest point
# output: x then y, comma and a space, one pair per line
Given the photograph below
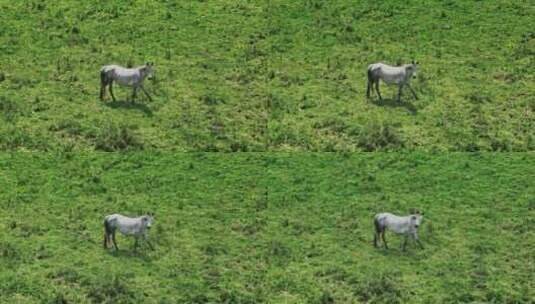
378, 137
379, 288
15, 138
112, 290
112, 137
10, 110
8, 251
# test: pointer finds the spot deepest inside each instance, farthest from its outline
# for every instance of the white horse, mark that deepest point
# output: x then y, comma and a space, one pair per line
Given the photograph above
406, 225
400, 76
133, 77
128, 226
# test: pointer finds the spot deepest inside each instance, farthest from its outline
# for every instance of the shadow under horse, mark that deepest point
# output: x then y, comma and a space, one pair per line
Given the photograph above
393, 103
129, 105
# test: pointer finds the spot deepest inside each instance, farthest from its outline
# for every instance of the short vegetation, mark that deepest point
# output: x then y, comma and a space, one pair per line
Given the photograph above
283, 79
268, 75
267, 228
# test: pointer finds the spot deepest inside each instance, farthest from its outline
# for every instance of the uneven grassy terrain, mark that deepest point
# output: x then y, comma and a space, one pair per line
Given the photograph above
273, 75
259, 228
207, 91
476, 78
284, 79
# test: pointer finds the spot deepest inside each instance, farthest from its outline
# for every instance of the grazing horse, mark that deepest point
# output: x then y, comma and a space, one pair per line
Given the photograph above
406, 225
128, 226
133, 77
400, 76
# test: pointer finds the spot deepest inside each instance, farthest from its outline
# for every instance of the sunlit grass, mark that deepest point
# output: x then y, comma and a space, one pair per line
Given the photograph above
259, 228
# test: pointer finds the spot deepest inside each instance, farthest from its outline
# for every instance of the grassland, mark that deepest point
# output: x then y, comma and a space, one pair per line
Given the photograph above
267, 228
272, 75
208, 93
476, 79
285, 79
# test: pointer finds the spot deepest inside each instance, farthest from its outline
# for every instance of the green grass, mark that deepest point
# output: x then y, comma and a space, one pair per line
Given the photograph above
475, 81
259, 228
282, 78
272, 75
208, 89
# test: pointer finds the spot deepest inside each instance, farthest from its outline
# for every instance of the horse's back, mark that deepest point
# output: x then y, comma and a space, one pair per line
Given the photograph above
386, 217
125, 224
115, 217
389, 74
110, 67
375, 66
119, 70
383, 215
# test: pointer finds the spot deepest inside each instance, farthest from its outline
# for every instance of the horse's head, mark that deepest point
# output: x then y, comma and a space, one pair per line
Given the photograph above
148, 70
416, 219
148, 220
412, 68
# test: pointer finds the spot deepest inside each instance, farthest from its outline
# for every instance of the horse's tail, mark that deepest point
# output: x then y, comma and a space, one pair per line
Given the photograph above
378, 225
377, 230
370, 81
103, 83
107, 232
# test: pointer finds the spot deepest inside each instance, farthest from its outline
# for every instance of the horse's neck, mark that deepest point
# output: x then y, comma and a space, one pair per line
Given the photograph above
143, 72
408, 71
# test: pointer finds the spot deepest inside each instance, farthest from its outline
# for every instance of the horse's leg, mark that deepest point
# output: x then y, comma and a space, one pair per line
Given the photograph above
417, 240
114, 241
420, 244
399, 92
404, 243
135, 244
377, 89
105, 240
384, 239
111, 91
412, 91
148, 242
144, 91
134, 93
375, 239
368, 89
102, 92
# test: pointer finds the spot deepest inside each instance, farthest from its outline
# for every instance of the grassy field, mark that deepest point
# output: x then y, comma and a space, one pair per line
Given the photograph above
476, 79
267, 228
208, 89
289, 223
273, 75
